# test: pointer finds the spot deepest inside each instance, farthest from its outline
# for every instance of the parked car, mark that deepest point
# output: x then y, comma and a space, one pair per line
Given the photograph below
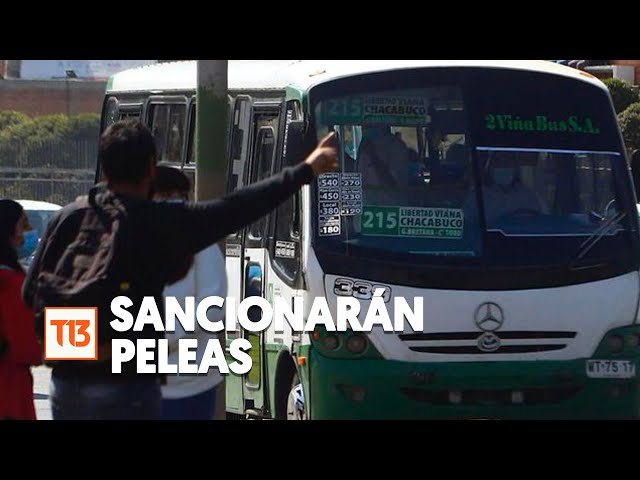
39, 214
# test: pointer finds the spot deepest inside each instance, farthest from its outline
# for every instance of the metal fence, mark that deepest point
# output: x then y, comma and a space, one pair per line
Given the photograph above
54, 171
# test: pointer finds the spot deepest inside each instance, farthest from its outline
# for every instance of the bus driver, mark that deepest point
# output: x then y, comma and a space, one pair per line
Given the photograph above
505, 194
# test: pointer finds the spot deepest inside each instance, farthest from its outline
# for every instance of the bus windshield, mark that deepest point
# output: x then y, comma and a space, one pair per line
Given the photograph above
475, 171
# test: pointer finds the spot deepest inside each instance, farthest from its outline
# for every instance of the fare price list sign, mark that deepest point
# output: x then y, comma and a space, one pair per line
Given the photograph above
339, 195
351, 194
329, 204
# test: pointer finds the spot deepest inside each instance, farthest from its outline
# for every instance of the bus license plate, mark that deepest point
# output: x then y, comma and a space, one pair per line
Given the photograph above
611, 369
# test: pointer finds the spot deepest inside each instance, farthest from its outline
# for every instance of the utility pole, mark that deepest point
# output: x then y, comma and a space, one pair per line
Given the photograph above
211, 148
211, 129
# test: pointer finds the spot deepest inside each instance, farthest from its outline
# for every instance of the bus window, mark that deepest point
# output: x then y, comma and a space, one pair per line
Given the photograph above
167, 125
110, 115
116, 111
158, 121
239, 143
130, 112
261, 169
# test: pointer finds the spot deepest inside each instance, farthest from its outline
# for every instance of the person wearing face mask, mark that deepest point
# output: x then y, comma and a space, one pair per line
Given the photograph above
28, 248
191, 397
19, 348
504, 193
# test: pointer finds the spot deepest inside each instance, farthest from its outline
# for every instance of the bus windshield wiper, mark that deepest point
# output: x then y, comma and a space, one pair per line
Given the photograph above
595, 237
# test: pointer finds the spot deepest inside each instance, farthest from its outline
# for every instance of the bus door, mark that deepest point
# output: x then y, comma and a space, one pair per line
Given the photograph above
254, 255
239, 152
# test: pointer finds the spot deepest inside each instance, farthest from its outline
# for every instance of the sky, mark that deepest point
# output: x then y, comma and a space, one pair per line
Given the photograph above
86, 69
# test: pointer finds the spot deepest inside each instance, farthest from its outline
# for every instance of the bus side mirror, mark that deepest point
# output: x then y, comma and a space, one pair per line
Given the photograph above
296, 144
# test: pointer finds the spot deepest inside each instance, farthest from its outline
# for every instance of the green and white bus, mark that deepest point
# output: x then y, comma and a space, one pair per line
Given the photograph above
497, 191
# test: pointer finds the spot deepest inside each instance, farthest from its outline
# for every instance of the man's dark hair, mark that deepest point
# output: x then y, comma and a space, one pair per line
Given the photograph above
170, 179
126, 148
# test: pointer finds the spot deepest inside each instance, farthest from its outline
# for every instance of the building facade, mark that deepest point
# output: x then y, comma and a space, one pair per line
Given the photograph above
44, 87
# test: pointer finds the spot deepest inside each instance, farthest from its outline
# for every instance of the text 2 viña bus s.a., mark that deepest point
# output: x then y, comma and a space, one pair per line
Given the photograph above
498, 191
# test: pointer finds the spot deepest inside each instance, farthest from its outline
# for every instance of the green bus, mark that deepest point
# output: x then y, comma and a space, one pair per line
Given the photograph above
499, 192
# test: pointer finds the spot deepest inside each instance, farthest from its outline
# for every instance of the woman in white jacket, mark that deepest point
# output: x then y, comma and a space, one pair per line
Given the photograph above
191, 397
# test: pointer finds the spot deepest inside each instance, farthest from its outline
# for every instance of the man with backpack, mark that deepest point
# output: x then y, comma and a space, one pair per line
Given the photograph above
116, 241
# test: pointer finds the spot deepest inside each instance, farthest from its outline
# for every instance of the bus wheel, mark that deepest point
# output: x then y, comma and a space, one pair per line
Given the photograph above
295, 400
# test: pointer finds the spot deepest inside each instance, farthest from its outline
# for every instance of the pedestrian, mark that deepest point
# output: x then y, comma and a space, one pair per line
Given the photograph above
19, 348
154, 244
191, 397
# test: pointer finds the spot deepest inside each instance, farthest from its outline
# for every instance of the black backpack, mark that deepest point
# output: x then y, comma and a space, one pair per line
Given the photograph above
92, 269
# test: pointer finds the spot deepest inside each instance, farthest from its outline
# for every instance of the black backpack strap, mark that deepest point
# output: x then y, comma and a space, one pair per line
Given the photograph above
108, 208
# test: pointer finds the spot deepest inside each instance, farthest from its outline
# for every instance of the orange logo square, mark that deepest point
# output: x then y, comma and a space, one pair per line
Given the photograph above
71, 333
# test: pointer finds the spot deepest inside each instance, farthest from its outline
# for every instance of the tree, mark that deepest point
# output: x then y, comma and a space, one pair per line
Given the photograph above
85, 125
16, 127
9, 118
629, 121
622, 94
52, 141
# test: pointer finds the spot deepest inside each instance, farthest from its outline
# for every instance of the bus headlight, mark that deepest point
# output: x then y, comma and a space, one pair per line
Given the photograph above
357, 344
620, 341
343, 345
331, 342
615, 343
633, 340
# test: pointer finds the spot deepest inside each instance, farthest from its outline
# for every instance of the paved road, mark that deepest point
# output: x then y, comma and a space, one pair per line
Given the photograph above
41, 376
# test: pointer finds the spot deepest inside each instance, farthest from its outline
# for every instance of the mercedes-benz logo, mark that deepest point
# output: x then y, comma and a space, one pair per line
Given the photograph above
489, 317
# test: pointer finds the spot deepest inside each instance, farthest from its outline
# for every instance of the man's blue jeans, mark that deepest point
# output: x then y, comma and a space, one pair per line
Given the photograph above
123, 399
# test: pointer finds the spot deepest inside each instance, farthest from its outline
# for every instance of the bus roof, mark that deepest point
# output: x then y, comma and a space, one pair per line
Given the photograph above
278, 74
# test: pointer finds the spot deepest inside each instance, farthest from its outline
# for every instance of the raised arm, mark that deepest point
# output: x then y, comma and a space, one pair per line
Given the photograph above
209, 222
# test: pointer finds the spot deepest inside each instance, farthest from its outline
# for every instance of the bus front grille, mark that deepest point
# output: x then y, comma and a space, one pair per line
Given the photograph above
508, 342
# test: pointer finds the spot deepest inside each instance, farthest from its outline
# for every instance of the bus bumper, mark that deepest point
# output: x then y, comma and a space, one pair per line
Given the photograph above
383, 389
